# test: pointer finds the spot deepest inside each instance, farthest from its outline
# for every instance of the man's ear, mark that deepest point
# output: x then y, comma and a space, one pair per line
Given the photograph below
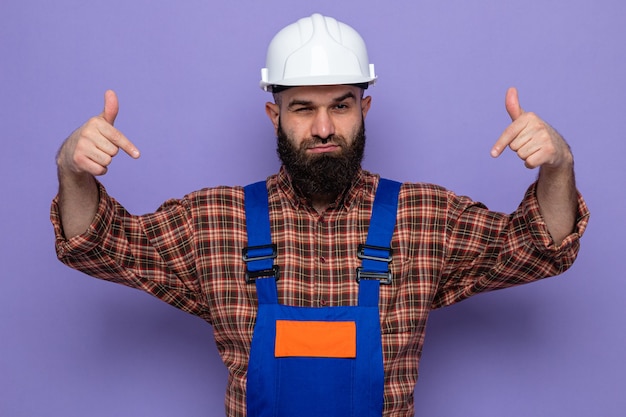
273, 112
366, 102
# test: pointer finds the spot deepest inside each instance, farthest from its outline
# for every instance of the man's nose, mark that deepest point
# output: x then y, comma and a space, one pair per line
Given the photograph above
323, 125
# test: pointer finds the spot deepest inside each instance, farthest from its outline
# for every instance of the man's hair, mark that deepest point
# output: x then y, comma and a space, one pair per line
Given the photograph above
277, 98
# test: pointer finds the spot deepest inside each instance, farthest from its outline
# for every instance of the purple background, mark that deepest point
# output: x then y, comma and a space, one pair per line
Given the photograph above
187, 73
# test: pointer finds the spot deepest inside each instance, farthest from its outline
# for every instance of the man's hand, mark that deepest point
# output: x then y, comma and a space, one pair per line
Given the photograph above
539, 145
86, 153
534, 140
91, 148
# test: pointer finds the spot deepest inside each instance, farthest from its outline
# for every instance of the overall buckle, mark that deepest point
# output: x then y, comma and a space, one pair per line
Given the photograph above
383, 277
251, 276
267, 252
364, 251
260, 253
362, 255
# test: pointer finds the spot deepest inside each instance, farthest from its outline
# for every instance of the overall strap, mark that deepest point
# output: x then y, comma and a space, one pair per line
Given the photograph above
376, 252
260, 253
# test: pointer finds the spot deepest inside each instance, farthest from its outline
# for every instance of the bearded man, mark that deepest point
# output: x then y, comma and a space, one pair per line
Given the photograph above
319, 280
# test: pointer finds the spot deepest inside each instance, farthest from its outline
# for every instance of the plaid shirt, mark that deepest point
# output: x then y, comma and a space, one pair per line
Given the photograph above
445, 249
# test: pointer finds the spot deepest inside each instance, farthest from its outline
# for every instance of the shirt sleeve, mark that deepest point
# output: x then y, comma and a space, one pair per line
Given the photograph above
488, 250
120, 248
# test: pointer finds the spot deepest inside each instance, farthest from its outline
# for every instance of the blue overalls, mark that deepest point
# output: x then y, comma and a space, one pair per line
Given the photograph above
317, 361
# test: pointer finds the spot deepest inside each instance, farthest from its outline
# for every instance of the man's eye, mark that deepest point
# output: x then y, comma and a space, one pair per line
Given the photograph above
341, 106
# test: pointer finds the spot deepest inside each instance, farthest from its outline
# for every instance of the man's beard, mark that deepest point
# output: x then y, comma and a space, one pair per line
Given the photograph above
325, 174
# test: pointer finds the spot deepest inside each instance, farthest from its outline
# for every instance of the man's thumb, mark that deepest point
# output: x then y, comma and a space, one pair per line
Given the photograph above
111, 106
512, 104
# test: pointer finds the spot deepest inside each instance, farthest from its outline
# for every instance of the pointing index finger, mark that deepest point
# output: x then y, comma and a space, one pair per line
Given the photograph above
118, 139
508, 136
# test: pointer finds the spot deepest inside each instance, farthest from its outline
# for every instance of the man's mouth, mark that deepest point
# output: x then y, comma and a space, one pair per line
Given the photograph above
328, 147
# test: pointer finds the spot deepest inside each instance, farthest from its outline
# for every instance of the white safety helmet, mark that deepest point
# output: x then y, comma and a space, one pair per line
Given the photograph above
317, 50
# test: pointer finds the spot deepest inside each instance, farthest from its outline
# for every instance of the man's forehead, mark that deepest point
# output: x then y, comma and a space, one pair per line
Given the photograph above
321, 93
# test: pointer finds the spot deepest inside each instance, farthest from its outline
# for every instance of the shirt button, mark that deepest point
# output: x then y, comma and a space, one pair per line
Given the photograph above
322, 260
322, 302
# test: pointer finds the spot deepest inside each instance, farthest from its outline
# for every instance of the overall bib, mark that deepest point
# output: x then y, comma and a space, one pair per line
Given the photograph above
317, 361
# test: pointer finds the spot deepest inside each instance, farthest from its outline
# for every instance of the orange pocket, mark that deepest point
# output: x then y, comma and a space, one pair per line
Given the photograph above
325, 339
